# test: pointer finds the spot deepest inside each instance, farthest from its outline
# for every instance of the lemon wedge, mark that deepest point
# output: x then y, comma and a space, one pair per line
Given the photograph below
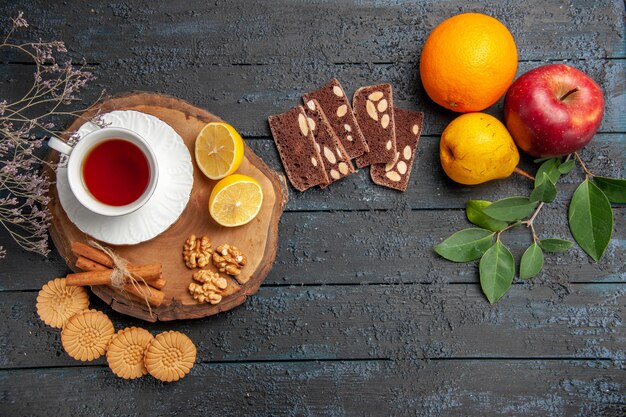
219, 150
235, 200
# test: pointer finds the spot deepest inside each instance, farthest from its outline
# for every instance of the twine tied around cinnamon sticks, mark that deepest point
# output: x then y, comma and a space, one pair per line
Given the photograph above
104, 267
120, 275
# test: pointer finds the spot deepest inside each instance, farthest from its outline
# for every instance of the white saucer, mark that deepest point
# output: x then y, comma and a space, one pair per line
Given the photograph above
170, 196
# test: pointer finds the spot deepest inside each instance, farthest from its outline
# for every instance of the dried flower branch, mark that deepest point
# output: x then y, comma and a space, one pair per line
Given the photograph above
24, 126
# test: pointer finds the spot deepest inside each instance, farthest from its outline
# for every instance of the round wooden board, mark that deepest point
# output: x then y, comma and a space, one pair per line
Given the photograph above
257, 239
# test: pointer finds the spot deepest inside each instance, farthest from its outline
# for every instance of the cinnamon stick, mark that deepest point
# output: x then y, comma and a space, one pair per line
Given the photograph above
103, 277
158, 283
88, 265
92, 253
155, 297
95, 261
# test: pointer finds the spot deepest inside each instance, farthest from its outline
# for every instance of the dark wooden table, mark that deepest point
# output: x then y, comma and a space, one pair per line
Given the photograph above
358, 316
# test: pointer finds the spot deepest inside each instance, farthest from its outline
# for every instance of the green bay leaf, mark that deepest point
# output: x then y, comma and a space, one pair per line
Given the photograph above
497, 268
567, 166
591, 219
510, 209
465, 245
555, 245
532, 262
476, 215
613, 188
549, 167
545, 191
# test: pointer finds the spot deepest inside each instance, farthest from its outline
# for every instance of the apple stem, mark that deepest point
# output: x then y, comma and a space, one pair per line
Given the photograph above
582, 164
572, 91
523, 173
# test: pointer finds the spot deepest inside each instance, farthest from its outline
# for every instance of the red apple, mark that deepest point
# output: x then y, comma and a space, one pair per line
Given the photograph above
553, 110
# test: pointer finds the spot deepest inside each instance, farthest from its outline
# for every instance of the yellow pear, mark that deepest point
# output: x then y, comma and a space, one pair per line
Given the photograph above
475, 148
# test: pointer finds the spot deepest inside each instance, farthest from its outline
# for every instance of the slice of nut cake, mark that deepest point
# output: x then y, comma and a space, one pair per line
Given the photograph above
373, 109
336, 107
296, 147
336, 160
396, 173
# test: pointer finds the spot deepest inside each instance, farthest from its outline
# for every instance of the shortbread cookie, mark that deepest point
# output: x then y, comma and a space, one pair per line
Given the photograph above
296, 147
373, 109
332, 98
86, 335
336, 160
170, 356
126, 352
396, 174
57, 302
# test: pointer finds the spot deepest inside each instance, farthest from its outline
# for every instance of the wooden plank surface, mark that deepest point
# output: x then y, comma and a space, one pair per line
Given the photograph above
256, 91
399, 239
340, 388
166, 33
411, 321
358, 315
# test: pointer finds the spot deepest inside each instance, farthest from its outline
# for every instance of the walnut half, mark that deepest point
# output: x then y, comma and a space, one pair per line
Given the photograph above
229, 259
211, 289
197, 252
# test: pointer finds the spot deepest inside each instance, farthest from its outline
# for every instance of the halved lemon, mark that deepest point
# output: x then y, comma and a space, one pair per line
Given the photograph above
235, 200
219, 150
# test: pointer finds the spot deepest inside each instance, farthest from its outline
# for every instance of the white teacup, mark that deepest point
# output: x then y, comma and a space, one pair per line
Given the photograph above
81, 150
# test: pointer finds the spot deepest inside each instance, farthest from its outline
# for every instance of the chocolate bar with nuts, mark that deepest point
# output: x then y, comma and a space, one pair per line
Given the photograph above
296, 147
336, 160
338, 111
395, 174
373, 109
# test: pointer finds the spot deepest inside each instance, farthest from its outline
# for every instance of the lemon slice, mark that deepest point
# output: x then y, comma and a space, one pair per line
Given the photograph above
235, 200
219, 150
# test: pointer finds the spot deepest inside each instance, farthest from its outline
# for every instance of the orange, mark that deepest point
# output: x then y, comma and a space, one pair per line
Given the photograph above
468, 62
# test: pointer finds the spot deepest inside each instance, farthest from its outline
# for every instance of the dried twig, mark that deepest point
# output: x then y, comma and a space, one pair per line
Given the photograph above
24, 126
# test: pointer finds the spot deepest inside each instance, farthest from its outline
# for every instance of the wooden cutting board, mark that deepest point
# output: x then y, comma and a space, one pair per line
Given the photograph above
257, 239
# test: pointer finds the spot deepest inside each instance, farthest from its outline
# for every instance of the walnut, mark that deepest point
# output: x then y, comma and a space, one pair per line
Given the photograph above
211, 289
197, 252
229, 259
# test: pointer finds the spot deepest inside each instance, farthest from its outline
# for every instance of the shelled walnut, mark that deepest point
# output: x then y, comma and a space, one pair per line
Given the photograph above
211, 288
197, 252
229, 259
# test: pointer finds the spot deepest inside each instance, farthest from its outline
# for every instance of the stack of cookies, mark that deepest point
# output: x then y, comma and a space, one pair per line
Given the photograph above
318, 141
88, 334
